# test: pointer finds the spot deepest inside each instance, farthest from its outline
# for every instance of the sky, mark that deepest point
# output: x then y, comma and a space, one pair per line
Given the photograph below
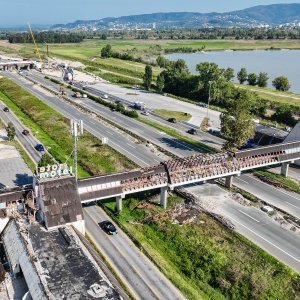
19, 12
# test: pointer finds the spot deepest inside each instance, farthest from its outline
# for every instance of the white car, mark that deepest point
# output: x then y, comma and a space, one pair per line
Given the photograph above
145, 113
84, 95
267, 209
105, 96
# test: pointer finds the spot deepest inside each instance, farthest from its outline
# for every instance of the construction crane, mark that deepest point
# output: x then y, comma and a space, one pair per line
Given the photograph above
35, 44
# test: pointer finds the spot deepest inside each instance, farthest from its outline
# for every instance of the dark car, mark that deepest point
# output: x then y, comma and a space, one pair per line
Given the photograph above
39, 147
172, 120
26, 132
6, 109
192, 131
108, 227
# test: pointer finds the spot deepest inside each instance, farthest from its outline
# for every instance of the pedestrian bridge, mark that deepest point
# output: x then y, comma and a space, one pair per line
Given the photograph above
194, 169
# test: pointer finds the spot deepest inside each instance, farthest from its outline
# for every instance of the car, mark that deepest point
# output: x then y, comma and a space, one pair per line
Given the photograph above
84, 87
26, 132
172, 120
118, 101
108, 227
84, 95
192, 131
6, 109
145, 113
39, 147
105, 96
267, 209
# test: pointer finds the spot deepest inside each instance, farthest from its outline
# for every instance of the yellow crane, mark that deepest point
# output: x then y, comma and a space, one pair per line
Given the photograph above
36, 47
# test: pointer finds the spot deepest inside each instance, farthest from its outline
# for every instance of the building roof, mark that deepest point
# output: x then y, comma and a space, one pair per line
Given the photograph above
68, 269
61, 201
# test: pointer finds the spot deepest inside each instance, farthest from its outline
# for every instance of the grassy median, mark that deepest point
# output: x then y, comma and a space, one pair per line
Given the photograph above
53, 130
204, 259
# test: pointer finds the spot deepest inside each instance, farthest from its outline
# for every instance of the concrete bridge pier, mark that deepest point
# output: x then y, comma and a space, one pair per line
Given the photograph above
229, 181
285, 169
119, 202
164, 196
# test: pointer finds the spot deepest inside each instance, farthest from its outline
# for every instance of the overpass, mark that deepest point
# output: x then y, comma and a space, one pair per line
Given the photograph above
194, 169
17, 64
57, 196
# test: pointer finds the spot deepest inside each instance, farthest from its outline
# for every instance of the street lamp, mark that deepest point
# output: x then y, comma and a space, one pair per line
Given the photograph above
208, 101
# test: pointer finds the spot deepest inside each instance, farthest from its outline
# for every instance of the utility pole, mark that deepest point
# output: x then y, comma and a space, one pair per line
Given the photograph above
208, 102
76, 131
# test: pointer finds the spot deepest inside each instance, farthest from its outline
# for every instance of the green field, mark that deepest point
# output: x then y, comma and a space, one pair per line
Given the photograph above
180, 116
204, 259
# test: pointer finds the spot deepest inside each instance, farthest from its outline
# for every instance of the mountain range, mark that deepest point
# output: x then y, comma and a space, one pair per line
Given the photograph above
257, 16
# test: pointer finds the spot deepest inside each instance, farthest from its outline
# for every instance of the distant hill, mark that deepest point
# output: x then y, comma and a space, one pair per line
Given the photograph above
258, 16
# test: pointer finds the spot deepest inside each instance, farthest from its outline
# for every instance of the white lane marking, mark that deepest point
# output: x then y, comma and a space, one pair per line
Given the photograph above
131, 146
248, 216
266, 240
292, 204
241, 180
110, 133
273, 187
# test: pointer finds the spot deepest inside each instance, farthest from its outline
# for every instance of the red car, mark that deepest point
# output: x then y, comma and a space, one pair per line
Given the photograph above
25, 132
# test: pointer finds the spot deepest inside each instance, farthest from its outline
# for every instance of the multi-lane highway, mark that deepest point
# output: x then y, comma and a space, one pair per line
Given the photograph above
139, 274
136, 269
146, 157
251, 222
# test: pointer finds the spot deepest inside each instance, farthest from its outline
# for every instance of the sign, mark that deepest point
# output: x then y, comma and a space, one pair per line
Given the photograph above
52, 171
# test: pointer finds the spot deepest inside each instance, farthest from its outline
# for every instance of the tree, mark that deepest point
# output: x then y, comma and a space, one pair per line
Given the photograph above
262, 79
252, 79
281, 83
242, 75
284, 115
229, 74
162, 61
160, 82
106, 51
148, 77
11, 131
45, 160
237, 125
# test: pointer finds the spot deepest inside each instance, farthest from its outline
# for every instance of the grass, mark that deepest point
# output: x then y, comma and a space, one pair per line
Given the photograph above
273, 95
278, 180
52, 129
180, 116
172, 132
207, 261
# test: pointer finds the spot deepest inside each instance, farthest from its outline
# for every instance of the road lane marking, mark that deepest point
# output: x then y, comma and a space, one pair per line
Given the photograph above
134, 268
252, 231
292, 204
272, 187
131, 146
248, 216
241, 180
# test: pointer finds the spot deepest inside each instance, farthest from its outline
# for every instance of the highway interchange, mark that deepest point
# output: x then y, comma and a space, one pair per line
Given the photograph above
249, 221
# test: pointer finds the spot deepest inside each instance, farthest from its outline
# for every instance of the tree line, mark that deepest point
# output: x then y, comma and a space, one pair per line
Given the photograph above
46, 37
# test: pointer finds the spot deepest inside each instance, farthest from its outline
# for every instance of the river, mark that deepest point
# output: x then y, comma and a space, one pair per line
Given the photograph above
273, 62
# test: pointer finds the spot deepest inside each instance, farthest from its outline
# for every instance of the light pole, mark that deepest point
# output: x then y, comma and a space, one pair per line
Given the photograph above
208, 101
76, 131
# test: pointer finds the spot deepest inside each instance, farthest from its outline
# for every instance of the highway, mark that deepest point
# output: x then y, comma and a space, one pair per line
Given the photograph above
287, 201
70, 112
251, 222
138, 153
137, 270
28, 141
145, 280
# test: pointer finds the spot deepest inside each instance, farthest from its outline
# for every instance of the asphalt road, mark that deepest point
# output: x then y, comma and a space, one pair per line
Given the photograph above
69, 111
287, 201
28, 141
253, 223
136, 269
136, 152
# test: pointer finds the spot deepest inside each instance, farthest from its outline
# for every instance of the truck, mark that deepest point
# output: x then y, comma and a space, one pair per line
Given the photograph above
139, 105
